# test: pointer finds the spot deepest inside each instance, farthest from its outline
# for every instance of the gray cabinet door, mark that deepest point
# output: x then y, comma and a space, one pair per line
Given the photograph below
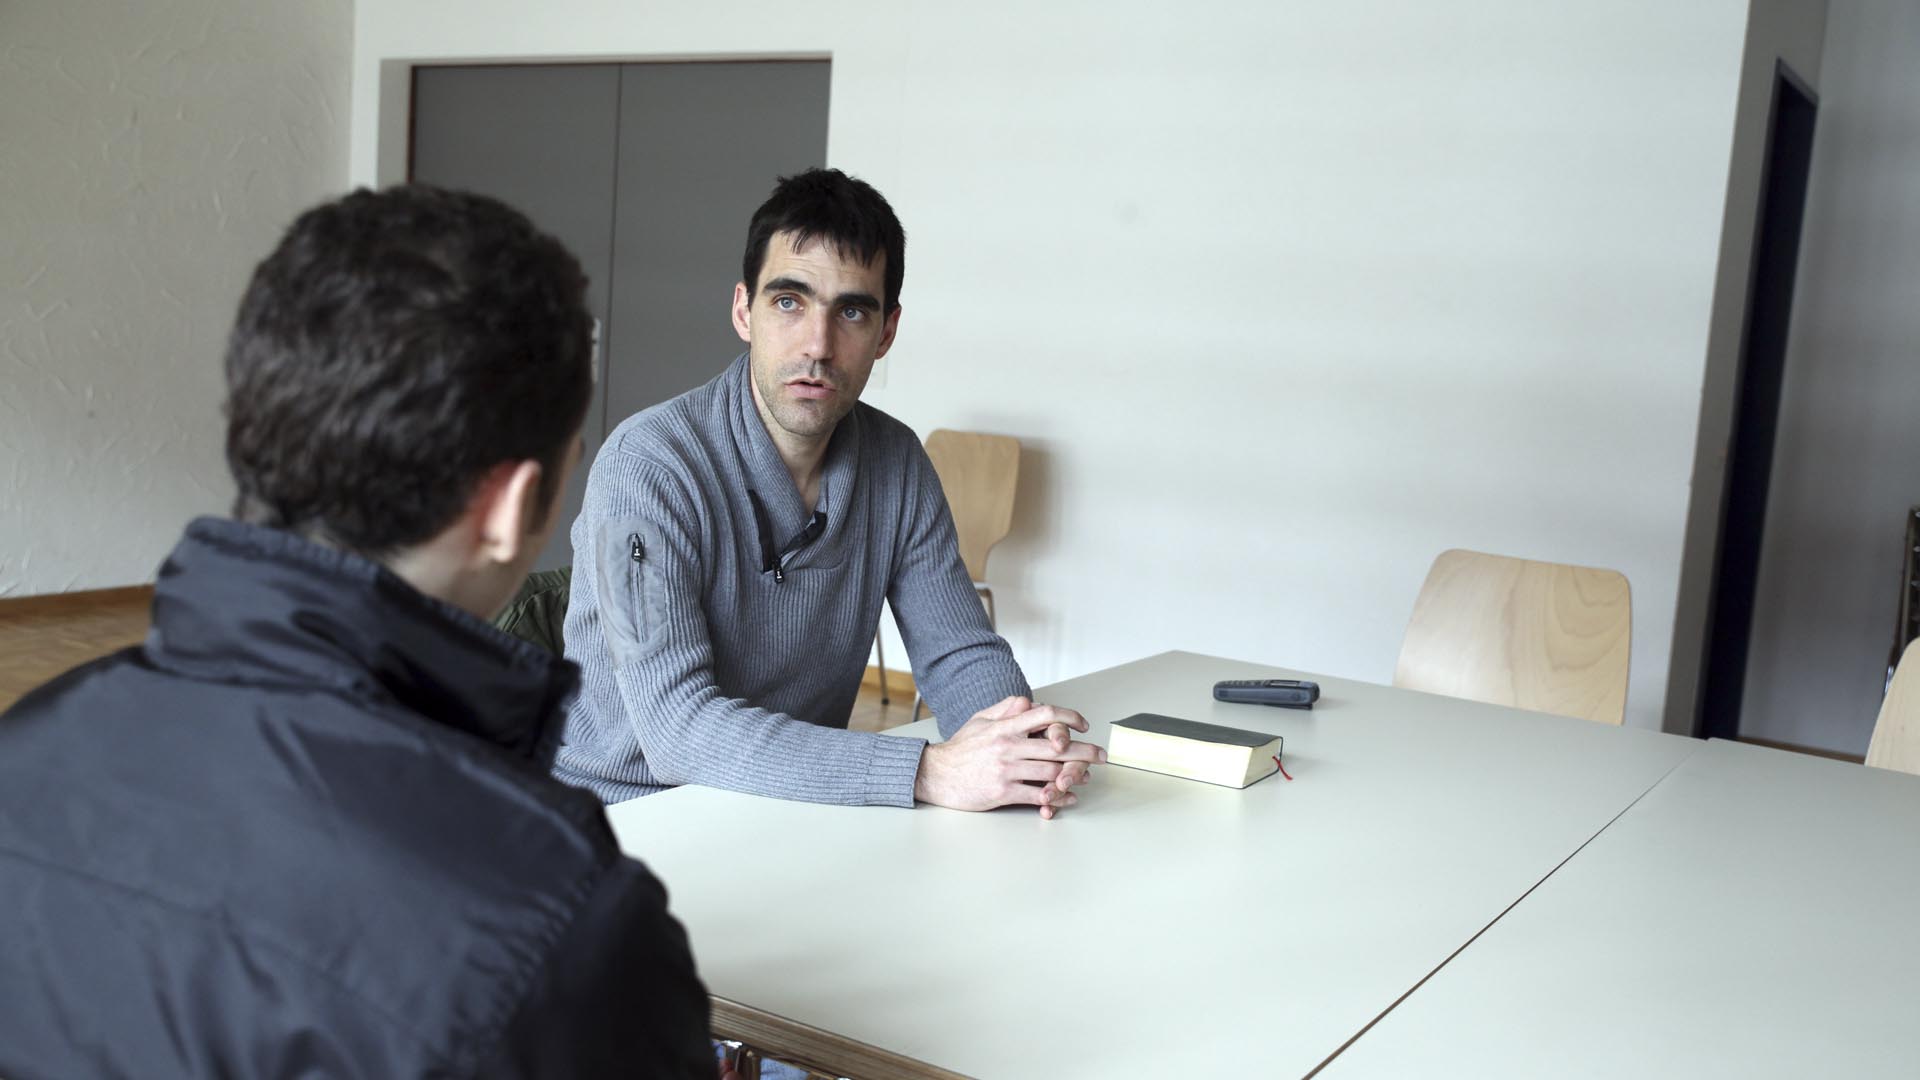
540, 138
648, 173
700, 148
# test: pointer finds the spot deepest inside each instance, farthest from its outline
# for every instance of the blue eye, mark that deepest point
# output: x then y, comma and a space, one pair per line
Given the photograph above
786, 303
853, 314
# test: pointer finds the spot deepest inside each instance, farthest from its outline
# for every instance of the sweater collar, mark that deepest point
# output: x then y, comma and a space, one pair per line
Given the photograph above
767, 475
247, 604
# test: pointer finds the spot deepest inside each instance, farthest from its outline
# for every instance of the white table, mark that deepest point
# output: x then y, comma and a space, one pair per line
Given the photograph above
1162, 927
1754, 915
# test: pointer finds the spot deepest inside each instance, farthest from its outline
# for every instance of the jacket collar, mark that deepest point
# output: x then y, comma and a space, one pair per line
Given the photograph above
246, 604
767, 475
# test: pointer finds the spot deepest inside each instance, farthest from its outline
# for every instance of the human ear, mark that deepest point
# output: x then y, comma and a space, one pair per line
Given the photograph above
887, 330
510, 511
743, 312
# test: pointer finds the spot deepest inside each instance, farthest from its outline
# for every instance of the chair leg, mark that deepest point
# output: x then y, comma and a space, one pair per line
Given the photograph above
880, 650
744, 1059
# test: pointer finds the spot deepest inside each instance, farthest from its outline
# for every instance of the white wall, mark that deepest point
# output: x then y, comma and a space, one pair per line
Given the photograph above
1282, 299
150, 153
1847, 464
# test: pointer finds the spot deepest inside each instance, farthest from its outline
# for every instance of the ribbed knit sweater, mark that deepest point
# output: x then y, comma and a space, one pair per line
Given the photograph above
716, 651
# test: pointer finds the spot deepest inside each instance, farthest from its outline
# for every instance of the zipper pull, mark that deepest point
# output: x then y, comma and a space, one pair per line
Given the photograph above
779, 575
639, 551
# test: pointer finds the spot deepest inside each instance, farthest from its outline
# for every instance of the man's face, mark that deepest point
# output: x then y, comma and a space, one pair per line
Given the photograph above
813, 327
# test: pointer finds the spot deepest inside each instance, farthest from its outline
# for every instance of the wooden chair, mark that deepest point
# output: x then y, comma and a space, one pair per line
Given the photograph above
1896, 735
1533, 635
979, 474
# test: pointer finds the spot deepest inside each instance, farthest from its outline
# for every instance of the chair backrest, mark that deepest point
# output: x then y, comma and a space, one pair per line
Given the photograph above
1896, 735
979, 473
1535, 635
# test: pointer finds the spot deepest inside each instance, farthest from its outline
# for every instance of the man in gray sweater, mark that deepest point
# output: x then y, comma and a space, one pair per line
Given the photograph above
737, 542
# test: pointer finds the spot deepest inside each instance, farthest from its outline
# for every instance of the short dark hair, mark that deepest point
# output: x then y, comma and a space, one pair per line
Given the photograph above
829, 205
395, 347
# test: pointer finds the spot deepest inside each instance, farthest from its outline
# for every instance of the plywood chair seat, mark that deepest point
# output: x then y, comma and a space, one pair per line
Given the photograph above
1534, 635
1896, 734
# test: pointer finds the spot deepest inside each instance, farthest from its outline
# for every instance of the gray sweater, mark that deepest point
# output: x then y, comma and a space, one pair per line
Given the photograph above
700, 665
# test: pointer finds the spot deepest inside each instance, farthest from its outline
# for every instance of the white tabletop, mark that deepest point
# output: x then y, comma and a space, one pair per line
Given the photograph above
1752, 916
1162, 927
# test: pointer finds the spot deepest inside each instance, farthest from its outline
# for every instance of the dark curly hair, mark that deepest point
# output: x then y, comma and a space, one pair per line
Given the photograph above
393, 349
829, 205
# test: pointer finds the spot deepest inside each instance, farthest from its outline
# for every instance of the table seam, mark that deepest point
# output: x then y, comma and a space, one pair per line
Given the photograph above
1342, 1048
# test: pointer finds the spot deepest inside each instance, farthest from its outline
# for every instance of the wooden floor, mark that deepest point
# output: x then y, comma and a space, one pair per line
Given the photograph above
870, 715
40, 637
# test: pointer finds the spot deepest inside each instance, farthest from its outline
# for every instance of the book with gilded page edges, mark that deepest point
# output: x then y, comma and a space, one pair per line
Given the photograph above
1231, 757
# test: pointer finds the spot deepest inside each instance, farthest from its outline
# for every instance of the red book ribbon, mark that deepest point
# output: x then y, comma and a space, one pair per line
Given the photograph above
1282, 768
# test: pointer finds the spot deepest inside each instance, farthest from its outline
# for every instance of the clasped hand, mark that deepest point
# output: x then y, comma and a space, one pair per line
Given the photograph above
1012, 754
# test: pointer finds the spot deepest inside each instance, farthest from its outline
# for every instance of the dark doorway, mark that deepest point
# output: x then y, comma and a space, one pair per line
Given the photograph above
1763, 356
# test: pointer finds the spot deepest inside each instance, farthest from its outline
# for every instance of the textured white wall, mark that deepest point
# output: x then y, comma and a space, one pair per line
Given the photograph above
1283, 299
1847, 464
150, 154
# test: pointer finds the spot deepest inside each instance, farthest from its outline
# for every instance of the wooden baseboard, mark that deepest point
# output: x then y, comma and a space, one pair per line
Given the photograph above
74, 603
899, 683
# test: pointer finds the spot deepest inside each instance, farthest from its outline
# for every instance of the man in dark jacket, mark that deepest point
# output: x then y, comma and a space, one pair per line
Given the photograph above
307, 828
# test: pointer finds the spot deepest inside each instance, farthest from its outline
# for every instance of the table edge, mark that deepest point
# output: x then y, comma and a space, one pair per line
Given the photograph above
815, 1048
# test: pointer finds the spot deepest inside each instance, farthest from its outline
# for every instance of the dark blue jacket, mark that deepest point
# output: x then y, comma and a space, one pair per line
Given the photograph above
307, 830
